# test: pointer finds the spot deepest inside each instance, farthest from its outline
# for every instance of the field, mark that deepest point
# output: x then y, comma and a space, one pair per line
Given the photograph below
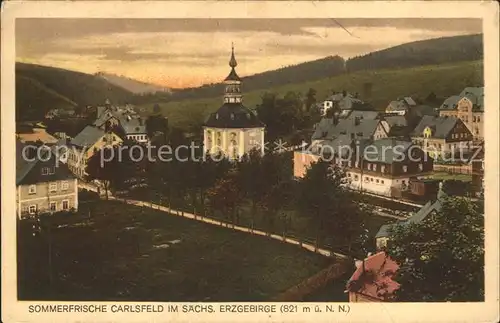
130, 253
444, 80
447, 176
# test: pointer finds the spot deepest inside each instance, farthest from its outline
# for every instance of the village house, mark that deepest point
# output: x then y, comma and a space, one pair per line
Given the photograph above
383, 166
89, 141
373, 279
233, 130
355, 127
401, 106
129, 124
42, 184
341, 101
468, 106
429, 209
34, 133
442, 136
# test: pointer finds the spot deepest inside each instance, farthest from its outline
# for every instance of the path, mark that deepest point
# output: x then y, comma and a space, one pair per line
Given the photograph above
200, 218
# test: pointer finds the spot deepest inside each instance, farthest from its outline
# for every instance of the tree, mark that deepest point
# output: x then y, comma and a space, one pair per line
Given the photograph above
226, 196
442, 257
319, 192
251, 177
310, 99
99, 168
157, 124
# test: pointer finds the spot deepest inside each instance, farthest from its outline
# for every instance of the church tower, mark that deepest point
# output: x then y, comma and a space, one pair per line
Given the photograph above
233, 130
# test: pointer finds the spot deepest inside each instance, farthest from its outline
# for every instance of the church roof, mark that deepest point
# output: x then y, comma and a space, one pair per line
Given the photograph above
233, 115
232, 76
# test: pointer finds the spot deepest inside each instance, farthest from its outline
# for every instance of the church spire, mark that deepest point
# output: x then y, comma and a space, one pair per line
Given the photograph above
232, 61
232, 92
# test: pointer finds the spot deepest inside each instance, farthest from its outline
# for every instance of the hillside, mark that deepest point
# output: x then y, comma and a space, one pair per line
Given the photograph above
418, 82
420, 53
43, 88
425, 52
131, 85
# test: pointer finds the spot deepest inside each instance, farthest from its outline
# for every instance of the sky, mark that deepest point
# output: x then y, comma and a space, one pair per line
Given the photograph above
191, 52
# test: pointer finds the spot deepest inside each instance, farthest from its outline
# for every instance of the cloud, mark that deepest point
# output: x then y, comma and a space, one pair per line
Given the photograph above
176, 49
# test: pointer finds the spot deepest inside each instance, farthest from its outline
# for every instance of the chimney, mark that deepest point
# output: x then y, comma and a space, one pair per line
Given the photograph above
344, 93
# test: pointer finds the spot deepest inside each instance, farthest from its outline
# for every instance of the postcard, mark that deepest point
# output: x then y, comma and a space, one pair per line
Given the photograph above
241, 161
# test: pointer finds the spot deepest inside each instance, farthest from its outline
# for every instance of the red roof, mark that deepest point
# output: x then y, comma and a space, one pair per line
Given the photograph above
375, 280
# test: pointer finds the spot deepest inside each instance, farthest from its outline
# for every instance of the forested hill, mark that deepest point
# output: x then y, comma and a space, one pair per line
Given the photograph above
426, 52
41, 88
420, 53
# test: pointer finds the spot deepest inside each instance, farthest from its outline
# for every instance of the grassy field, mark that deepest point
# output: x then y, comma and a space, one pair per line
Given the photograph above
446, 176
443, 80
131, 253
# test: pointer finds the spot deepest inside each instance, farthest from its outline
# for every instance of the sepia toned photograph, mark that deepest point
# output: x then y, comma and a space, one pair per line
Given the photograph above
259, 162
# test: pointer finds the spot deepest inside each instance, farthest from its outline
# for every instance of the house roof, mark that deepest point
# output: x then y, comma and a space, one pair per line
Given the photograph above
474, 94
374, 277
37, 134
428, 208
25, 164
88, 136
233, 115
396, 121
327, 129
366, 115
131, 124
441, 125
384, 150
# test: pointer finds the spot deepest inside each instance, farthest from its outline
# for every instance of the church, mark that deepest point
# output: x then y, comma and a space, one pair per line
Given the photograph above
233, 129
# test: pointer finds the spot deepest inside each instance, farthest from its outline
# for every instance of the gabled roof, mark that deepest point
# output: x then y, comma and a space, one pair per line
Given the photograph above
428, 208
374, 277
396, 121
327, 129
26, 165
442, 126
474, 94
131, 124
88, 136
364, 115
384, 150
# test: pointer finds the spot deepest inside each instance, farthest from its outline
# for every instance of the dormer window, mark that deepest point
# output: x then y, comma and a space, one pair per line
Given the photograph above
217, 116
232, 116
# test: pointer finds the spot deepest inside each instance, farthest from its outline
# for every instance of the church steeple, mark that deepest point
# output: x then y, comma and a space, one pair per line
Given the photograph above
232, 62
232, 92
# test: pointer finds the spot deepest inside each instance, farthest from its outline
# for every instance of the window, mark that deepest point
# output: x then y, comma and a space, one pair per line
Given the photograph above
32, 209
32, 189
65, 205
350, 163
382, 181
45, 171
52, 170
369, 166
382, 168
371, 179
348, 174
367, 179
355, 177
53, 206
377, 181
356, 164
478, 119
52, 187
421, 167
375, 167
405, 168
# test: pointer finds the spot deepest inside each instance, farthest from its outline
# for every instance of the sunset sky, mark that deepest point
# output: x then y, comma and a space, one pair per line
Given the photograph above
191, 52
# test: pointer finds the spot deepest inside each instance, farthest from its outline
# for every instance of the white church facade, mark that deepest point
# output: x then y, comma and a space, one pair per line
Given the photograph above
233, 129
